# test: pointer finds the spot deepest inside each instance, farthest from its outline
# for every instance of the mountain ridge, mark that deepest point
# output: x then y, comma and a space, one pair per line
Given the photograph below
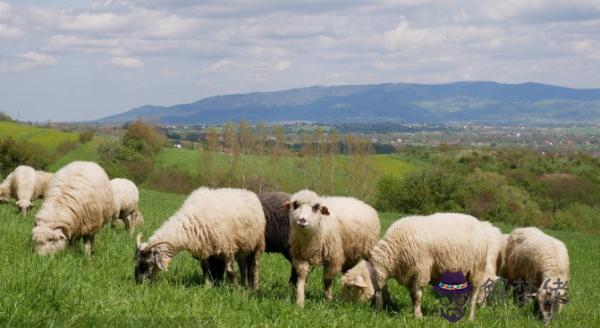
464, 101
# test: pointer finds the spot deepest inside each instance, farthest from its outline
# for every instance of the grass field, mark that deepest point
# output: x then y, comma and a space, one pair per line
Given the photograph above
69, 290
49, 138
86, 152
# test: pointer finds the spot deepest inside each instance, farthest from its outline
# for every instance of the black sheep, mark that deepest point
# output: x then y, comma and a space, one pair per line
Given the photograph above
277, 232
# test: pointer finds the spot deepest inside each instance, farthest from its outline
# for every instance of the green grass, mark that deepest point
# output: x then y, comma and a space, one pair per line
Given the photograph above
68, 290
49, 138
83, 152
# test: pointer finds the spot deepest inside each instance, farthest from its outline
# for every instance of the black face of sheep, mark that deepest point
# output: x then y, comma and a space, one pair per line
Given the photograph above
148, 261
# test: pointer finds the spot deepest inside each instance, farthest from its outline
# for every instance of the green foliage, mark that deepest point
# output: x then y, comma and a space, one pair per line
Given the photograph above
513, 186
5, 117
86, 135
13, 154
133, 157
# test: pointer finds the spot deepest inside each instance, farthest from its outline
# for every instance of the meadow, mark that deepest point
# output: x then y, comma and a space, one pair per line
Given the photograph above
50, 139
69, 290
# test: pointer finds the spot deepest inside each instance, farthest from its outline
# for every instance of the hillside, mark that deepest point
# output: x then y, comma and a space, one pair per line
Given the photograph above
48, 138
474, 102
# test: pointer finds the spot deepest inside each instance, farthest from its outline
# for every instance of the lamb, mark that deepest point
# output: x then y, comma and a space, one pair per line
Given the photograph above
495, 257
417, 250
226, 223
126, 197
277, 231
335, 232
535, 258
25, 184
78, 203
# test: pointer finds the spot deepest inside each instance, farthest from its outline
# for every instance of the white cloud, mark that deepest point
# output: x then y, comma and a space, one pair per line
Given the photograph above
27, 61
126, 62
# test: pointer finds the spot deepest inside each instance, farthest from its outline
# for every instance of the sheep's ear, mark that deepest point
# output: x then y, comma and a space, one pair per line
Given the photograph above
324, 210
360, 282
287, 205
160, 262
138, 240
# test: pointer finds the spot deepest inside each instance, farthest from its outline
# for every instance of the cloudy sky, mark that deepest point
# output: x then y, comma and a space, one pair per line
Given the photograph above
68, 60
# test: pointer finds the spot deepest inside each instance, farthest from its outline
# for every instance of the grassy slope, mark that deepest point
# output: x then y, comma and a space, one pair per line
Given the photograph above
87, 152
69, 290
49, 138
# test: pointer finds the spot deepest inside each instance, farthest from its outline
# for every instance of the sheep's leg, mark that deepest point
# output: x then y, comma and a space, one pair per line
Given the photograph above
243, 264
329, 274
128, 225
416, 295
205, 272
293, 277
302, 268
254, 261
474, 296
230, 268
88, 244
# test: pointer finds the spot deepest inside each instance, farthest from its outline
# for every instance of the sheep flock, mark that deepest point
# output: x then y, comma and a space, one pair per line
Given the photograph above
226, 230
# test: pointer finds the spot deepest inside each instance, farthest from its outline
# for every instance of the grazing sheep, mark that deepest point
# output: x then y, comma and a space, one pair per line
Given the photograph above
533, 257
335, 232
277, 231
5, 188
417, 250
26, 185
78, 203
495, 256
226, 223
126, 197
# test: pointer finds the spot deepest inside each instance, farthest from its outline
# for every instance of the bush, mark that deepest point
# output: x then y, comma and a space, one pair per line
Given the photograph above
443, 188
578, 217
86, 135
66, 147
13, 154
144, 138
5, 117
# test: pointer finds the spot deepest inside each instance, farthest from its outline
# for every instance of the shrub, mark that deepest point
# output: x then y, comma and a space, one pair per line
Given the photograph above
13, 154
5, 117
144, 138
86, 135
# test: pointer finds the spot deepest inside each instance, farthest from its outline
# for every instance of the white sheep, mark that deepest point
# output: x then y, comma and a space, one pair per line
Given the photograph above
26, 185
533, 257
126, 198
78, 203
225, 223
335, 232
417, 250
495, 258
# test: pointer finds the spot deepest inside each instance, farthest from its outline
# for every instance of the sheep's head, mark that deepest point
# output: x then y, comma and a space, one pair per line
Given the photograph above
305, 210
149, 259
137, 219
550, 299
24, 204
357, 284
45, 240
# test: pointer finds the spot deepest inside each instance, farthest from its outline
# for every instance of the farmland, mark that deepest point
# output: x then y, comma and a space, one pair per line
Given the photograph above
50, 139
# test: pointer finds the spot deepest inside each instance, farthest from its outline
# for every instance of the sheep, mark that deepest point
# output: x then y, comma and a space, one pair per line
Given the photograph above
126, 197
227, 223
533, 257
26, 185
78, 203
5, 190
277, 232
335, 232
417, 250
495, 258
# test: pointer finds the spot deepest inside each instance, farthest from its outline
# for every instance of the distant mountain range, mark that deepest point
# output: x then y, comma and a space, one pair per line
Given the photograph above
468, 102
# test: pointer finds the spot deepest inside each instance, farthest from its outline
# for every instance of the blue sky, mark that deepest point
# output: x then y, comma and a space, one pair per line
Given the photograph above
79, 60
